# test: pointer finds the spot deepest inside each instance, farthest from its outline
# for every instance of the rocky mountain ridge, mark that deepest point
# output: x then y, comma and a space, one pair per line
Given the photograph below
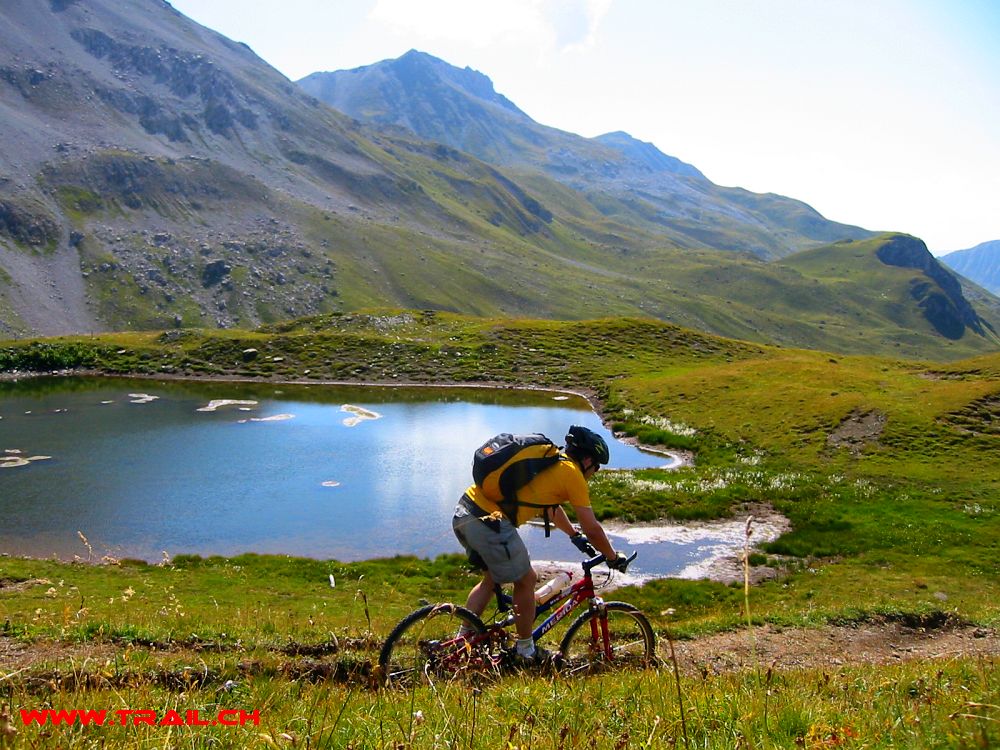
127, 120
620, 175
154, 174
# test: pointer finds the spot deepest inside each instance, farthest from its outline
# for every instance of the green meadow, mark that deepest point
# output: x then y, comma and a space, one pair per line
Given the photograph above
888, 470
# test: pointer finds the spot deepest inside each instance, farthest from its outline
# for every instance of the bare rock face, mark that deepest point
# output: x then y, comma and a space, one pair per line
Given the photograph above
215, 271
858, 430
131, 136
940, 296
186, 75
27, 222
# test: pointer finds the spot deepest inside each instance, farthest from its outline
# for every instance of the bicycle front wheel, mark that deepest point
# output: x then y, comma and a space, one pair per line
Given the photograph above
631, 641
426, 645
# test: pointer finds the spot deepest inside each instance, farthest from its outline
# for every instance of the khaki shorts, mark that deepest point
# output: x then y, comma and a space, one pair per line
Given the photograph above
494, 545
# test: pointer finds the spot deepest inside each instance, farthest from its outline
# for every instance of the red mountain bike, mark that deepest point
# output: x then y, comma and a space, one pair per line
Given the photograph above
427, 644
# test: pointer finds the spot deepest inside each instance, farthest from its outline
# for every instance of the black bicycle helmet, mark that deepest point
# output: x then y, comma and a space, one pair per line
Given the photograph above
583, 442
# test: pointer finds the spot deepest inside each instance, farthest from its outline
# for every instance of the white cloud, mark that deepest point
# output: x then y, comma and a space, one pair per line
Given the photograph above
573, 24
476, 23
551, 25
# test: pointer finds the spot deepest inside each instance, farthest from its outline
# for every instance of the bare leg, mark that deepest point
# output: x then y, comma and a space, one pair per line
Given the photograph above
480, 595
524, 604
524, 600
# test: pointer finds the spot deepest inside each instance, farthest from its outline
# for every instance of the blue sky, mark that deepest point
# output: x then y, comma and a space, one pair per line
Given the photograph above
881, 113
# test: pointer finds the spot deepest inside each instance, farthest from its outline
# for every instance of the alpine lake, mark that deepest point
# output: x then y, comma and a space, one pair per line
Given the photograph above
94, 467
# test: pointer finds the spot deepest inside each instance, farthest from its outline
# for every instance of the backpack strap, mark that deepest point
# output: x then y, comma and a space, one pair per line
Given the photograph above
509, 508
516, 477
519, 474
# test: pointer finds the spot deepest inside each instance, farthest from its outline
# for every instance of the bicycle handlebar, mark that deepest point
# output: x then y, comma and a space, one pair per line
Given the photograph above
504, 600
593, 562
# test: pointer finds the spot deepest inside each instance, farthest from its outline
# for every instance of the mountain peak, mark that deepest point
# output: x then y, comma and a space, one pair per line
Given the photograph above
380, 92
619, 175
426, 96
467, 79
415, 54
646, 153
156, 175
461, 108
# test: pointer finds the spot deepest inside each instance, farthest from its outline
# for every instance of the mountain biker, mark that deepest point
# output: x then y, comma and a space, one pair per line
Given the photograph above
494, 546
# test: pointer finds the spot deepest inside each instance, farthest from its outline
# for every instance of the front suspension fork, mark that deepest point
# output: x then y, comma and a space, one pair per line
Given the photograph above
600, 637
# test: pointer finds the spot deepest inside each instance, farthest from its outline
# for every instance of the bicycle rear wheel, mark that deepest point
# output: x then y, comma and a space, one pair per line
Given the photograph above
631, 640
425, 645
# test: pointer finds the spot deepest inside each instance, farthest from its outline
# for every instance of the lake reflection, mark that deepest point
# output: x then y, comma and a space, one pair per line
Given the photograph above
143, 467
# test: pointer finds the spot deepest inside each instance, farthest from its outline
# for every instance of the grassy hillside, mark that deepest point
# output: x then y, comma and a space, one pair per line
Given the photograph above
897, 278
461, 225
888, 470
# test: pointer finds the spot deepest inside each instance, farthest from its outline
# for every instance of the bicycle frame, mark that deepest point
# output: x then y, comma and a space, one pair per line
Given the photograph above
492, 645
580, 592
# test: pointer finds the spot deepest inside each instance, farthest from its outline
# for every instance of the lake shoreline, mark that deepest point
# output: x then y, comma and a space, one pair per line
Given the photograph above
680, 458
675, 459
727, 566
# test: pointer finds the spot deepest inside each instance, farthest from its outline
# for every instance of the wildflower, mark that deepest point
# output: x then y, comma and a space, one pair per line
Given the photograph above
676, 428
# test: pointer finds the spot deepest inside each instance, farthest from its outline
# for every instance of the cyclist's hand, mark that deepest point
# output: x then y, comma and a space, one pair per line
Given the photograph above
581, 543
620, 563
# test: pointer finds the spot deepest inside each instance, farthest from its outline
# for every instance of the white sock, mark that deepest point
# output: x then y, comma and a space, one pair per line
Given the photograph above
526, 647
464, 630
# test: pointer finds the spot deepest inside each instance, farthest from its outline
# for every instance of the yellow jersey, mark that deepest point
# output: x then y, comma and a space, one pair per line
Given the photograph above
561, 483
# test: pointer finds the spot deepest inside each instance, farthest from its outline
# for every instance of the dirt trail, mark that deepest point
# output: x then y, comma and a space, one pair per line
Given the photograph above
828, 647
832, 646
